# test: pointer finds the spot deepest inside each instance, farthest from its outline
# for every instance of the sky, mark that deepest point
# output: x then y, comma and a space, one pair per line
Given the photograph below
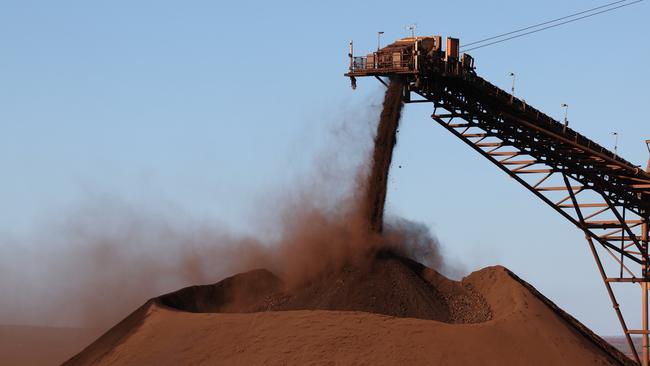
205, 105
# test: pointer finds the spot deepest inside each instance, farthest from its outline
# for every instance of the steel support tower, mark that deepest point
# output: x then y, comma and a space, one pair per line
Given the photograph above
602, 194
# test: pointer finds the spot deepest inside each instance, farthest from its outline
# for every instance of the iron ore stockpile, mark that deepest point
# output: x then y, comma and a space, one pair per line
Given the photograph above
378, 308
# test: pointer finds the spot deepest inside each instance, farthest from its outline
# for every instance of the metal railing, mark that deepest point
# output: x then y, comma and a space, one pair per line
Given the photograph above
361, 63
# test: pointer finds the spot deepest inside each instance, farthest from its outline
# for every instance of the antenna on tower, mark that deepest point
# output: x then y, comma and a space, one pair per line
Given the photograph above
566, 115
412, 28
514, 79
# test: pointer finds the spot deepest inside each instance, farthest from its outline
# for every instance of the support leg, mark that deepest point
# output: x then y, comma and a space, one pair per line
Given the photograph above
644, 296
644, 309
612, 297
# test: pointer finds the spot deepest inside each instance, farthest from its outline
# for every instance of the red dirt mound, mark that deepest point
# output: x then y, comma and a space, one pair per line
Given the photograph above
388, 284
233, 295
511, 323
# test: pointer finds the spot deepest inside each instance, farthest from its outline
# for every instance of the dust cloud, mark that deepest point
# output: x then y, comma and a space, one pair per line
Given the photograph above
98, 263
385, 141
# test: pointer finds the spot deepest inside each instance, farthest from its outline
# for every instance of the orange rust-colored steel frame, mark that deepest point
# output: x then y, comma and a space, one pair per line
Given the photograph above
573, 163
605, 196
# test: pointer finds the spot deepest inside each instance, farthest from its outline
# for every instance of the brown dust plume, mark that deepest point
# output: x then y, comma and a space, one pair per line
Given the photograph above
98, 262
382, 156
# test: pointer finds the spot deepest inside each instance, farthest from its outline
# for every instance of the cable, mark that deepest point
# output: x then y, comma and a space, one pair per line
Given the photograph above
545, 23
544, 28
551, 26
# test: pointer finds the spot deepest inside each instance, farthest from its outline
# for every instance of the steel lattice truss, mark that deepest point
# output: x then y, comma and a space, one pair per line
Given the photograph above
603, 195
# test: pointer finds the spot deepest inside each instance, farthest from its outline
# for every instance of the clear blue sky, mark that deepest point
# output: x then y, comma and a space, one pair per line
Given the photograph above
207, 104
